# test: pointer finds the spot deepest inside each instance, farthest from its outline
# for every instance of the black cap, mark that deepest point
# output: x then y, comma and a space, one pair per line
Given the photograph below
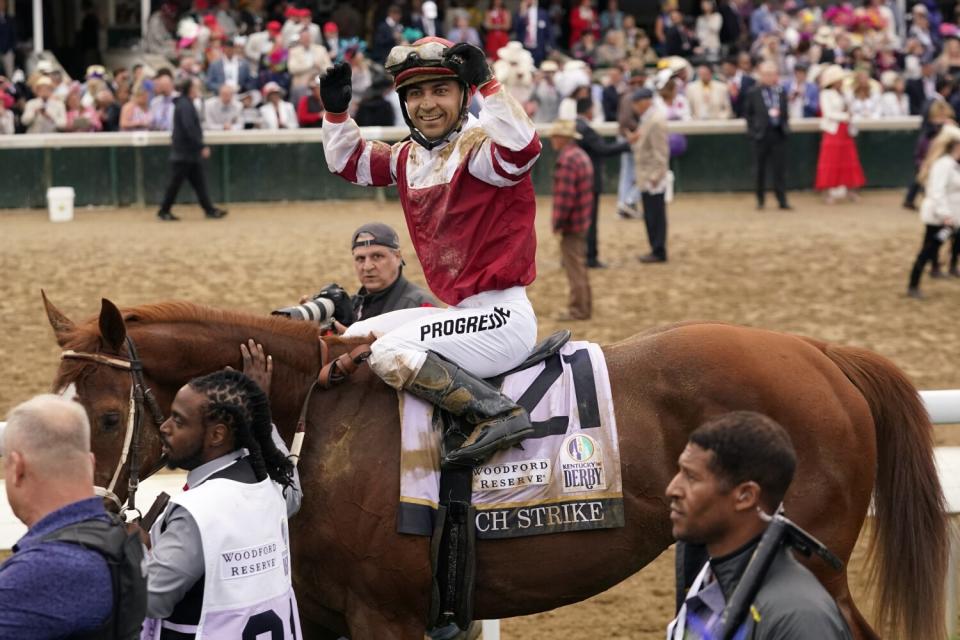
642, 94
382, 234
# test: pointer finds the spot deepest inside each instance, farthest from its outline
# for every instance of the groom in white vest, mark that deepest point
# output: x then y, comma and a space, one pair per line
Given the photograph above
220, 561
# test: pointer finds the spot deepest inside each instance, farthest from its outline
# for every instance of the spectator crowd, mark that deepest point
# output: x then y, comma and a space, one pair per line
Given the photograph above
256, 62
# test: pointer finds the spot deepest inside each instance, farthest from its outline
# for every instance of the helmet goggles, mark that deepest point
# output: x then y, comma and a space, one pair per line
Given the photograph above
423, 58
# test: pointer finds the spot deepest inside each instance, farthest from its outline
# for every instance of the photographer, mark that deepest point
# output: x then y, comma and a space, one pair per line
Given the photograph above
379, 266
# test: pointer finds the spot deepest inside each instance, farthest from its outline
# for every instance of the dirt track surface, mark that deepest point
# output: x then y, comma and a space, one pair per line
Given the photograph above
837, 273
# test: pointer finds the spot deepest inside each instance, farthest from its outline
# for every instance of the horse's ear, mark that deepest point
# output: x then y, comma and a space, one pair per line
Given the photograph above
62, 325
112, 328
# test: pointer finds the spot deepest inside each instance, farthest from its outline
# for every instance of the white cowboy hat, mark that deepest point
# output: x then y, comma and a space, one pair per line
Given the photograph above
831, 75
662, 78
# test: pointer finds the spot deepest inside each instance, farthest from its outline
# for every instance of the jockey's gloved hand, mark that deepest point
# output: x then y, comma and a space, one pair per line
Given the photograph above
469, 62
336, 88
342, 304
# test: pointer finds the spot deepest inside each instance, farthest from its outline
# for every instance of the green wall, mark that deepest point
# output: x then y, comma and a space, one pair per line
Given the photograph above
271, 172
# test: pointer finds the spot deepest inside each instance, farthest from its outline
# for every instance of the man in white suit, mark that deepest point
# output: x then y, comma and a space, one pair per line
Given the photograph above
709, 98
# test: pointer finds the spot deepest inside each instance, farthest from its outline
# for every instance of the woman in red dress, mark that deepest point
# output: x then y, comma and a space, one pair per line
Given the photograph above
838, 168
497, 24
583, 18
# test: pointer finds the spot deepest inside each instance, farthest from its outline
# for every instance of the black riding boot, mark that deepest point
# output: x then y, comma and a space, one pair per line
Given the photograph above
500, 423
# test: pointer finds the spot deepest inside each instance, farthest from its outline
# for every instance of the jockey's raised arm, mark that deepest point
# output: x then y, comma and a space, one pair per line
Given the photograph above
512, 146
465, 189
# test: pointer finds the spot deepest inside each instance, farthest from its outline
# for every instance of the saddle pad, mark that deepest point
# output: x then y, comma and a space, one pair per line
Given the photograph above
566, 476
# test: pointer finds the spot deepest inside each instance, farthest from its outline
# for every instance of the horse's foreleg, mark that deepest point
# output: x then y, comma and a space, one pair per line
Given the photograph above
368, 622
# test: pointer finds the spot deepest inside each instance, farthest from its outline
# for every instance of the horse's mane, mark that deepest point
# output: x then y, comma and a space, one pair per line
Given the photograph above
86, 335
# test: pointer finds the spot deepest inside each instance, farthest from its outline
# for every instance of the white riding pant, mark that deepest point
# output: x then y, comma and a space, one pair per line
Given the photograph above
486, 334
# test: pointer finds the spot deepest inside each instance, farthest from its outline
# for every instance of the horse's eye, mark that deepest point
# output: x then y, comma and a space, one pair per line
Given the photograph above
110, 421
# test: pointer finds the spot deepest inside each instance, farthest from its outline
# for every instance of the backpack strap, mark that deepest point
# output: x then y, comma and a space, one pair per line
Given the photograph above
111, 540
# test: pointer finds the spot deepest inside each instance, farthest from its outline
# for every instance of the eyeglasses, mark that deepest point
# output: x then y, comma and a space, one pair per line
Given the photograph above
427, 54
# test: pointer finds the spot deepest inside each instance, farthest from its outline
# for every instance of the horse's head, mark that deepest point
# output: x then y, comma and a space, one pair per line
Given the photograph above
98, 369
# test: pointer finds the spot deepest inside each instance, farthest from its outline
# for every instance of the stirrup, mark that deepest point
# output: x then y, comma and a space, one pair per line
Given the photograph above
481, 445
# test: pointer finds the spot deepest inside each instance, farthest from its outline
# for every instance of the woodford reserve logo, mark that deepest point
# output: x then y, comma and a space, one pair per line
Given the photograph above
511, 475
581, 464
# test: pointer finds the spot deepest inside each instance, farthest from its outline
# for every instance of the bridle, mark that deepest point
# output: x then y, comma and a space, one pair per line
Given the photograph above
332, 372
140, 397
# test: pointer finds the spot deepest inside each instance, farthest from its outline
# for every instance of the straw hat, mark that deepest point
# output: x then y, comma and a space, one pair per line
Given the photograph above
824, 37
565, 129
832, 74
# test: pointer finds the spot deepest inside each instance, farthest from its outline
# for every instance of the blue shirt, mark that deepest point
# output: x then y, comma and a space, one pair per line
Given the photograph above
55, 589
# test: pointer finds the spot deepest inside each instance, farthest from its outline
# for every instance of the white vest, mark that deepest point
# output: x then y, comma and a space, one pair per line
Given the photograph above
247, 587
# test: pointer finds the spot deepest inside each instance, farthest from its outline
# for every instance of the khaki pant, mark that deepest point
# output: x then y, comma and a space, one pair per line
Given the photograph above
573, 251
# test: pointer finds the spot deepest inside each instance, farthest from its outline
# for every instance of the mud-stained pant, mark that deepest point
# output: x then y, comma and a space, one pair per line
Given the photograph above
486, 334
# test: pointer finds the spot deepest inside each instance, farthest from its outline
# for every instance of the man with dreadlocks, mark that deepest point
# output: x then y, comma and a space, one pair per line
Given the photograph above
220, 562
465, 188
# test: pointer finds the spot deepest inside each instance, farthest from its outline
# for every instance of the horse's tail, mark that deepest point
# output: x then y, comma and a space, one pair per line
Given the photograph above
910, 546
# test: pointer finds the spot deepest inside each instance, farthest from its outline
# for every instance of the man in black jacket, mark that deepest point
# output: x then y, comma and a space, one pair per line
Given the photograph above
923, 89
379, 266
598, 150
187, 154
734, 468
765, 110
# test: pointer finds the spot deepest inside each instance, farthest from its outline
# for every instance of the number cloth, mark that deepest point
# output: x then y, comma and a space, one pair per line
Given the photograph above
565, 478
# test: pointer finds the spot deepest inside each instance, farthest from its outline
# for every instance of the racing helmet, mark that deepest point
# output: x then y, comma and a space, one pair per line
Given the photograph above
420, 62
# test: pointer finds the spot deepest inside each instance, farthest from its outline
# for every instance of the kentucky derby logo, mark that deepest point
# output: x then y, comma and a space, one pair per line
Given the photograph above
581, 465
580, 448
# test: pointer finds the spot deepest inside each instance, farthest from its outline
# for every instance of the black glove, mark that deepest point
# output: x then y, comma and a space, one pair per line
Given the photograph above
342, 304
469, 62
336, 88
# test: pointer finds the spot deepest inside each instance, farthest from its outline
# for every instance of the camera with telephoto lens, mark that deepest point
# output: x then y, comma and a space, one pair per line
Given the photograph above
331, 303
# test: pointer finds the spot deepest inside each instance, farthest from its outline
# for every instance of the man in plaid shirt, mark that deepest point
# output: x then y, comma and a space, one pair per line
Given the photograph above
572, 206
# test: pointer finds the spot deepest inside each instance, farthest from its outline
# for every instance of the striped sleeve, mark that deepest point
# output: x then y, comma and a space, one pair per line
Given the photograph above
512, 145
363, 162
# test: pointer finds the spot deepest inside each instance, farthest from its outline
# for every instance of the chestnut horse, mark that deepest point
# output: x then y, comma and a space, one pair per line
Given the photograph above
858, 425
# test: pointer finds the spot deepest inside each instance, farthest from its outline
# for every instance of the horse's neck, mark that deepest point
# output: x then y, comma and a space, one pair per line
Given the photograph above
175, 354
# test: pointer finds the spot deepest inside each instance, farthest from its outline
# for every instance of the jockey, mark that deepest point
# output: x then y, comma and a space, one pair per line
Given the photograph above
466, 193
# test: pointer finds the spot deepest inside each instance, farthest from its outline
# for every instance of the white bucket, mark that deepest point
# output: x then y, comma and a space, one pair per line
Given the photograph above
60, 203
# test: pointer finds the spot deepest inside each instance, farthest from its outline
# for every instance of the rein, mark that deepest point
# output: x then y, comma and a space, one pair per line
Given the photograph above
332, 372
140, 397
